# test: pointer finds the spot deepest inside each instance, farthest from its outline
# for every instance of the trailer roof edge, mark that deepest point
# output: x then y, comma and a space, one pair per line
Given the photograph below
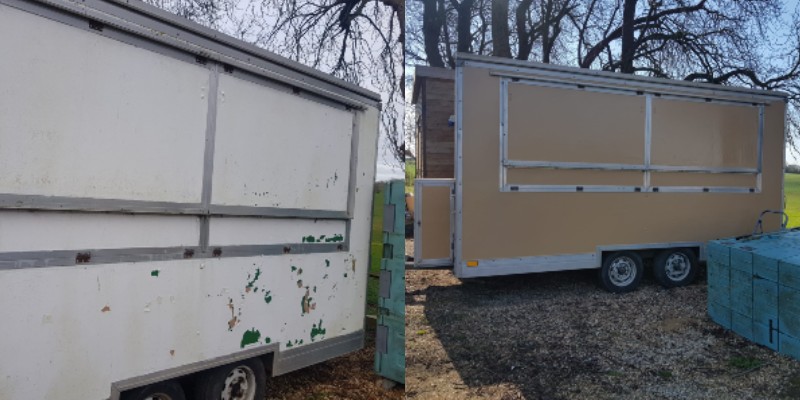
163, 16
532, 65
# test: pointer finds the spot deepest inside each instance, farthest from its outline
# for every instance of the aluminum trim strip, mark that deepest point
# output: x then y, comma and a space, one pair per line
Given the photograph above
67, 258
293, 359
215, 209
64, 203
459, 165
648, 139
569, 188
533, 264
503, 131
627, 167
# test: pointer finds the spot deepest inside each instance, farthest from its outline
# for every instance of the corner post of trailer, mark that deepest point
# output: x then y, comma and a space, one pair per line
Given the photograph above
459, 178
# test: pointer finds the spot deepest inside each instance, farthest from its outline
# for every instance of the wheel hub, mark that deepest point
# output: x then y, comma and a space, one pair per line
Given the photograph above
622, 271
240, 385
677, 266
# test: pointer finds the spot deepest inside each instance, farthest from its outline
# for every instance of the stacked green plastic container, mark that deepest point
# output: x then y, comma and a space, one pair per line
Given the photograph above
390, 355
754, 288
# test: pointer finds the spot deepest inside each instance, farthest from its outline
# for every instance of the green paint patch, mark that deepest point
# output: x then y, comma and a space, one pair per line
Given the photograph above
250, 337
327, 263
317, 330
309, 239
267, 340
294, 268
345, 274
335, 239
154, 272
289, 345
268, 297
252, 282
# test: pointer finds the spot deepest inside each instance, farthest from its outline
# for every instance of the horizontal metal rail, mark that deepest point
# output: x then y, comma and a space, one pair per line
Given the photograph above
623, 189
624, 167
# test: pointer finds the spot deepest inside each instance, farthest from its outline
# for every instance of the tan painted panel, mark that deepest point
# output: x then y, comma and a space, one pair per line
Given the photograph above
550, 124
700, 179
506, 225
539, 176
435, 215
704, 134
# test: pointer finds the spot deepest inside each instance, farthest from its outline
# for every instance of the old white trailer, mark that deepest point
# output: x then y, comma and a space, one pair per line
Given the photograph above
560, 168
181, 213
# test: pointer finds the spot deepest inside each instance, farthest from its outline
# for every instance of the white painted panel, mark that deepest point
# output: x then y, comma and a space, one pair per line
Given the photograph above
80, 328
32, 231
86, 116
237, 231
276, 149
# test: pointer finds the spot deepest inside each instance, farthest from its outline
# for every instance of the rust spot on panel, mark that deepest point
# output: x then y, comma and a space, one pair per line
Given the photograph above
217, 252
105, 309
300, 283
189, 253
234, 319
354, 264
287, 249
83, 258
340, 247
306, 303
172, 353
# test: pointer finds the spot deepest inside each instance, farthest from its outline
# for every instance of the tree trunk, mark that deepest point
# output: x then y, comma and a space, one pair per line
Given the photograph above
500, 31
628, 14
464, 24
432, 20
525, 40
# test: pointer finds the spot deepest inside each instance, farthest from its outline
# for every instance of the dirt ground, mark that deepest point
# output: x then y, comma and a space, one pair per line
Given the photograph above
350, 377
560, 336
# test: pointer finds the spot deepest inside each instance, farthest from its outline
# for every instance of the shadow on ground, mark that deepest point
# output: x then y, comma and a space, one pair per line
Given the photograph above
559, 335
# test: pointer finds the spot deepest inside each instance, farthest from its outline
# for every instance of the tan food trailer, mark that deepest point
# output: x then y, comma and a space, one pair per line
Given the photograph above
560, 168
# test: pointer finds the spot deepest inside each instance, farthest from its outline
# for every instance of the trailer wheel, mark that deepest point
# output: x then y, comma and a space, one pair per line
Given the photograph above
169, 390
621, 272
675, 267
242, 380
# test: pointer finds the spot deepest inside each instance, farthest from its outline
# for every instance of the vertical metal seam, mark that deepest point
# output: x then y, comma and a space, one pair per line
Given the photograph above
785, 136
457, 261
648, 138
417, 222
208, 156
503, 132
352, 176
760, 147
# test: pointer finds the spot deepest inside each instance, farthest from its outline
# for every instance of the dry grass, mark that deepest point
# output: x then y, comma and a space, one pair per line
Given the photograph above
559, 336
350, 377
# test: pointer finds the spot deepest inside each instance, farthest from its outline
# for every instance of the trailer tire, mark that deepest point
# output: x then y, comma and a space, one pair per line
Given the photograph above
675, 267
621, 272
242, 380
169, 390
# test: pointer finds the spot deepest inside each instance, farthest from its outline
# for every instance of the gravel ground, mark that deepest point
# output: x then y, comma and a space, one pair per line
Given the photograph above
560, 336
350, 377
